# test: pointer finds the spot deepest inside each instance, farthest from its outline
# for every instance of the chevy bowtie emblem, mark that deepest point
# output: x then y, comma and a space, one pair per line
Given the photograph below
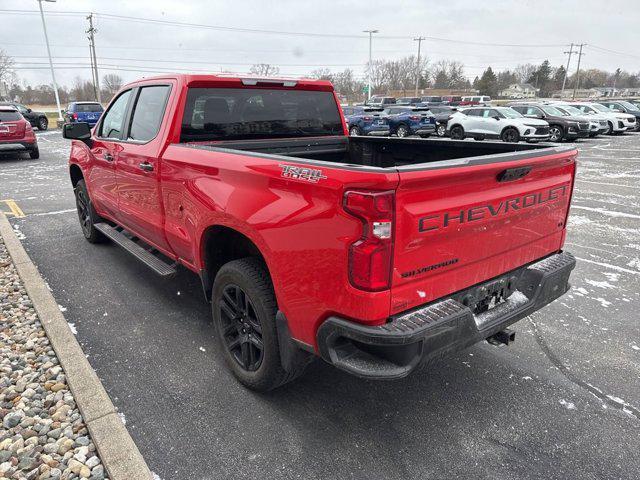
302, 173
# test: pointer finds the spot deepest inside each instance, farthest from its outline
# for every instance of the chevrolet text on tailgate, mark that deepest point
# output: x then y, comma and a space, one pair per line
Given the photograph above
376, 254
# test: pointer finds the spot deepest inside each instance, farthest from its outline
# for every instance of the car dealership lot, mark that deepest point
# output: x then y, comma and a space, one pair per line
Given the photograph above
562, 402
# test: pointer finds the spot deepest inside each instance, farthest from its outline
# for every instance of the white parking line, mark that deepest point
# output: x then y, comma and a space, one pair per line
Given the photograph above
607, 184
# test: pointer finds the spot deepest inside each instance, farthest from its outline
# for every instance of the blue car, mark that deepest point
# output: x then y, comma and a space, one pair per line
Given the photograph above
88, 112
405, 121
366, 121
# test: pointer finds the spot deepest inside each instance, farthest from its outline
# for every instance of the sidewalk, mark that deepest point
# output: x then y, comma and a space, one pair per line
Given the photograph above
57, 421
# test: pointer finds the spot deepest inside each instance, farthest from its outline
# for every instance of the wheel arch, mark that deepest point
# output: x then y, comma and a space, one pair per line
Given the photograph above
510, 127
220, 244
75, 173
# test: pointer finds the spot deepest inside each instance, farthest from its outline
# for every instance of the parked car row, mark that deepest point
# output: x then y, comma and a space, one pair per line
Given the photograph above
400, 120
450, 100
530, 121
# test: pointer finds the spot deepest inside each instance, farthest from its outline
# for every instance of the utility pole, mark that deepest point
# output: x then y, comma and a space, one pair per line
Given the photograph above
53, 74
94, 60
575, 87
566, 71
370, 32
419, 40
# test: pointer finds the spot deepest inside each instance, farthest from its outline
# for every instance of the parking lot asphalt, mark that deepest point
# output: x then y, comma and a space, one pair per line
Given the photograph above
562, 402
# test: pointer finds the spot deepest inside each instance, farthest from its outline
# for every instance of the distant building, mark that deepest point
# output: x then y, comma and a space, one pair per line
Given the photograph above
519, 90
584, 93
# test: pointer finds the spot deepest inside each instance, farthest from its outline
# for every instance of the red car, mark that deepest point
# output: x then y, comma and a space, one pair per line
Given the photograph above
377, 254
16, 134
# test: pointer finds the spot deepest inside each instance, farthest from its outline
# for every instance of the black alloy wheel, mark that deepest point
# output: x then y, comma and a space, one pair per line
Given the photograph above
43, 123
241, 328
510, 135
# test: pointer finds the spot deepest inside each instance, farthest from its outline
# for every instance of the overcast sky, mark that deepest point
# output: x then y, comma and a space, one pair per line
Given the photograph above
129, 45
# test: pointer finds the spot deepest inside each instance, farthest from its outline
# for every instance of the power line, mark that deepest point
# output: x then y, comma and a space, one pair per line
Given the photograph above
109, 16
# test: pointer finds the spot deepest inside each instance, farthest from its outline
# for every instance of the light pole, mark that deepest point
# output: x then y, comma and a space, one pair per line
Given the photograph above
419, 40
53, 75
370, 32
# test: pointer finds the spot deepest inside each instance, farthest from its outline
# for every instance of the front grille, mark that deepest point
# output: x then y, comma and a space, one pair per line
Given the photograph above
584, 126
542, 131
632, 120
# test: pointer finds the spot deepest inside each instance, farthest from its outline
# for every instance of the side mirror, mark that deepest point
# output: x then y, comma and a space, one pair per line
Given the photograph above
497, 117
29, 110
77, 131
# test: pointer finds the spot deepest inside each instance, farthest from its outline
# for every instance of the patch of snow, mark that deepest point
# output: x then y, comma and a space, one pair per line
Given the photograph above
597, 284
635, 263
155, 476
608, 213
18, 232
576, 220
567, 405
603, 302
527, 378
609, 266
122, 418
635, 347
62, 309
202, 349
612, 277
72, 327
580, 291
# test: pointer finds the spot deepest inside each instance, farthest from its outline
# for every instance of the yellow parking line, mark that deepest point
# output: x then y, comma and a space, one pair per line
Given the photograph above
16, 211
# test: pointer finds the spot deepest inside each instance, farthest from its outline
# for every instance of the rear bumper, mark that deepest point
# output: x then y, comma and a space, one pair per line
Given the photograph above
17, 146
419, 336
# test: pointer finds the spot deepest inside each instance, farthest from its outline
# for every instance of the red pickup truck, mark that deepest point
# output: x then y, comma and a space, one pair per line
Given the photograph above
377, 254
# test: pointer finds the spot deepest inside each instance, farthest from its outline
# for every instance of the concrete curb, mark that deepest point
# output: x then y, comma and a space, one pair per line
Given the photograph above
119, 454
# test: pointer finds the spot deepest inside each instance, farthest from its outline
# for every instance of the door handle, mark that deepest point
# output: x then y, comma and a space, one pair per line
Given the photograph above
146, 166
108, 157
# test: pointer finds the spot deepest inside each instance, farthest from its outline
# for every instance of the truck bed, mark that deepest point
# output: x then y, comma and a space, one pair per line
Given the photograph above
386, 153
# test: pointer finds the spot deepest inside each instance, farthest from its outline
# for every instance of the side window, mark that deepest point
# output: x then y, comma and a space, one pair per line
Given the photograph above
113, 120
533, 111
473, 113
148, 113
22, 109
492, 113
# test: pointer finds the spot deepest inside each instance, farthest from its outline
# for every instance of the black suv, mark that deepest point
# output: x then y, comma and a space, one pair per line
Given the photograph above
561, 126
36, 119
625, 107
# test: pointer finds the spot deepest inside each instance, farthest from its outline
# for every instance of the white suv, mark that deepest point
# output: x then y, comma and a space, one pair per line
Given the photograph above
618, 122
496, 122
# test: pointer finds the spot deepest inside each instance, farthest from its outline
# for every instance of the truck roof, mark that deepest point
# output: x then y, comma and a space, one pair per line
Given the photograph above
231, 81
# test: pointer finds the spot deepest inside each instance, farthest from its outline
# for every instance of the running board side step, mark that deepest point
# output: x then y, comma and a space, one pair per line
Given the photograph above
145, 256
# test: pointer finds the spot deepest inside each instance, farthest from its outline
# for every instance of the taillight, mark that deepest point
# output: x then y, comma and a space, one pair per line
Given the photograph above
75, 116
367, 119
370, 257
415, 117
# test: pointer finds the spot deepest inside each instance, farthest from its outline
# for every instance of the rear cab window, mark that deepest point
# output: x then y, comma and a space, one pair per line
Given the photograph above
214, 114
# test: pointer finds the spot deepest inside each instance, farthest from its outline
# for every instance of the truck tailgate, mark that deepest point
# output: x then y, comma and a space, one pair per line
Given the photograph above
462, 225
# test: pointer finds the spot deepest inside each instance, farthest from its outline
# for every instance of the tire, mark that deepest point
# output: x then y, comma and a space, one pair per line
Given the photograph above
355, 131
610, 131
441, 130
556, 133
244, 310
456, 132
510, 135
43, 123
403, 131
34, 154
87, 214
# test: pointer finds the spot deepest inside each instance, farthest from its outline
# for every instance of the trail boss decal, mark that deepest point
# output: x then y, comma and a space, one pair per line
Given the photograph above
302, 173
474, 214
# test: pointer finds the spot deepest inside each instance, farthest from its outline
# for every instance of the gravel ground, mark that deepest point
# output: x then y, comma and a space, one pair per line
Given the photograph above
43, 435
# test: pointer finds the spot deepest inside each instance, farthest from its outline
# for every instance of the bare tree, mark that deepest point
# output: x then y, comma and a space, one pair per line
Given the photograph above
111, 83
264, 70
7, 74
322, 74
525, 71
